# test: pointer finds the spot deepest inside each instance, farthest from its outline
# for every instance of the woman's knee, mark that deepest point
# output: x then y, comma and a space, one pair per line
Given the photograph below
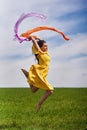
33, 89
50, 91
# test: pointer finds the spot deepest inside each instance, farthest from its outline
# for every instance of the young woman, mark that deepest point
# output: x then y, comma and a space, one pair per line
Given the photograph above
38, 72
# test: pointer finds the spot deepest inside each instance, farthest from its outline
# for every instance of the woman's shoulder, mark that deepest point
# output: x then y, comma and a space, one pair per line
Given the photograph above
35, 51
42, 52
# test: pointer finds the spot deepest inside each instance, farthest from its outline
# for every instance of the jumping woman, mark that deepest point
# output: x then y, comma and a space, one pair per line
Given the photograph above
36, 76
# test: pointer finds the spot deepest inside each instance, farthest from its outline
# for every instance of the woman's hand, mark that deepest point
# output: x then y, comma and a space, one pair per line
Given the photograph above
35, 37
31, 37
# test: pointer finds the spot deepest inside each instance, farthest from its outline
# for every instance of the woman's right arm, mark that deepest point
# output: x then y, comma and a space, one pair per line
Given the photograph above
35, 43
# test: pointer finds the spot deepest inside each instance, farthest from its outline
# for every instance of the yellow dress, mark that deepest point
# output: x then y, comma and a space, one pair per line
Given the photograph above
38, 72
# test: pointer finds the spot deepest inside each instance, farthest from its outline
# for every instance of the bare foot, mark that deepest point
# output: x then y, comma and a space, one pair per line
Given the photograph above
38, 107
25, 73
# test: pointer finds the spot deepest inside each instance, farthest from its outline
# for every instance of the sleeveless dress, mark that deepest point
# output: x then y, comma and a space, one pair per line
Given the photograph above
38, 72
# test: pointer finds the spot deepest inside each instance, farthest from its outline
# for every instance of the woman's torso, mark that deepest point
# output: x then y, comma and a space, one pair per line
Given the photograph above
43, 59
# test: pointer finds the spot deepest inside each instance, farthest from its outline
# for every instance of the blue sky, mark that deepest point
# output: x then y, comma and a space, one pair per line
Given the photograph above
68, 66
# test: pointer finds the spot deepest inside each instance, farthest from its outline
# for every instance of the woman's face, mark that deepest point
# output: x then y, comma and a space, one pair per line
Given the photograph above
44, 47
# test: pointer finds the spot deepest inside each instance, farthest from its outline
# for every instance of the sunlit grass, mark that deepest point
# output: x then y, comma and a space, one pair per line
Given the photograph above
65, 109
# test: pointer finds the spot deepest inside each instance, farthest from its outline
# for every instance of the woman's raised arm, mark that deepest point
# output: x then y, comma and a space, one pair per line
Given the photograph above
35, 43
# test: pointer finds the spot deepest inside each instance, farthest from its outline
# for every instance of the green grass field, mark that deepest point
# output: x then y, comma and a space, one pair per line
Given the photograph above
65, 109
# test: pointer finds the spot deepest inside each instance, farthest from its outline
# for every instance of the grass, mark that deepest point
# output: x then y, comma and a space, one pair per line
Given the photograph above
65, 109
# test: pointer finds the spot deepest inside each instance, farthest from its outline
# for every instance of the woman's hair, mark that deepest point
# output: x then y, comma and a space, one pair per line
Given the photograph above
40, 43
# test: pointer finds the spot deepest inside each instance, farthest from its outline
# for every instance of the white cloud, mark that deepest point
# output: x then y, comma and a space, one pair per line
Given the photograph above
62, 73
63, 64
76, 45
69, 74
68, 70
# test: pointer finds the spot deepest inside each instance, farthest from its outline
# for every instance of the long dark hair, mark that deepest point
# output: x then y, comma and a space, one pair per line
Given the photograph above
40, 43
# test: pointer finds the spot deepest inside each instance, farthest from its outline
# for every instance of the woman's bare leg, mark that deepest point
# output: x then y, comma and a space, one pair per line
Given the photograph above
33, 89
44, 97
25, 73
